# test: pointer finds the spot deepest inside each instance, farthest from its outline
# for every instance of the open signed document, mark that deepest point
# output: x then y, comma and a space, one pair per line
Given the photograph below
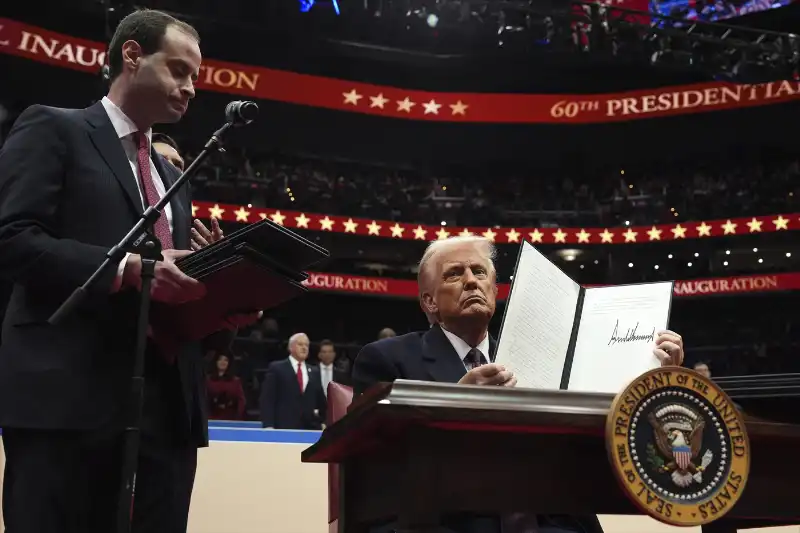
559, 335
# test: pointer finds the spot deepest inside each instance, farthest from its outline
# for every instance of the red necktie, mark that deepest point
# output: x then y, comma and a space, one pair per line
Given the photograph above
161, 228
300, 376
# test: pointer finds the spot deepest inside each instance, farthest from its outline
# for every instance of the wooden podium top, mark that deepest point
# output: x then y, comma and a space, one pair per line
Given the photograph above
390, 408
431, 447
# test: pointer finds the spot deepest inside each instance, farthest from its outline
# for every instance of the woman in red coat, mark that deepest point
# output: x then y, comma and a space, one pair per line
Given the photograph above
224, 391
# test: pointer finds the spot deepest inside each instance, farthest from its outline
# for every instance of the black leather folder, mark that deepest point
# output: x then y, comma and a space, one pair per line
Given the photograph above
253, 269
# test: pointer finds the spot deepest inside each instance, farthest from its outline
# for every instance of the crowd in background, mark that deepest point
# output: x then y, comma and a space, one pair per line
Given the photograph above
730, 185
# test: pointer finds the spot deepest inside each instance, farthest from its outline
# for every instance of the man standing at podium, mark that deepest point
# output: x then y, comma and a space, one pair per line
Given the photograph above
458, 287
72, 183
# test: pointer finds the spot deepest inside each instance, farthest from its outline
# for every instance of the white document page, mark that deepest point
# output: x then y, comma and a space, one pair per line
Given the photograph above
538, 321
617, 335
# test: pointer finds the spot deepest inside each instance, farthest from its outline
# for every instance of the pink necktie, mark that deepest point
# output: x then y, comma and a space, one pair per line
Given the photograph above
161, 228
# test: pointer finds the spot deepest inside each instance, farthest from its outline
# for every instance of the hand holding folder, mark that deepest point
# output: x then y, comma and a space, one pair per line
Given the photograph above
255, 268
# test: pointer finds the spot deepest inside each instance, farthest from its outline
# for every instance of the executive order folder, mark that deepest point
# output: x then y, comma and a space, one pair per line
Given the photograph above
258, 267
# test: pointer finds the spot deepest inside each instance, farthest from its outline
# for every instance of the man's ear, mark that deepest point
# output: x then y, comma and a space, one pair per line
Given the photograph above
428, 304
131, 54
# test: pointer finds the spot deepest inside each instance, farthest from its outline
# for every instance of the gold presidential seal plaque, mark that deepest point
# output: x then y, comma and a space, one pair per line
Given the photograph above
678, 446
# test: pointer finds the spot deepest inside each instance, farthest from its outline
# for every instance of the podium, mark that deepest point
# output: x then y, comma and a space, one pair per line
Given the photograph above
413, 451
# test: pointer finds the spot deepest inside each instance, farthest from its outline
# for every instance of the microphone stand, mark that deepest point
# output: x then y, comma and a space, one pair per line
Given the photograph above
139, 240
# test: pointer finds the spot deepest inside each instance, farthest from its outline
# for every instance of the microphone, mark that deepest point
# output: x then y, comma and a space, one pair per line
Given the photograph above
241, 112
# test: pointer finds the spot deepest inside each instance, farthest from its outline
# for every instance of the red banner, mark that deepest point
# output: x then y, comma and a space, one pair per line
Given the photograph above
419, 232
262, 83
696, 287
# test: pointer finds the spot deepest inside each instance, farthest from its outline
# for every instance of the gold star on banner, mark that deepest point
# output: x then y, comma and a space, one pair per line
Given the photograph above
583, 236
277, 218
606, 236
262, 215
302, 221
242, 214
420, 232
442, 234
459, 108
352, 97
397, 230
513, 235
378, 101
405, 105
781, 223
431, 107
350, 226
654, 233
754, 225
374, 228
326, 223
215, 211
489, 234
703, 230
194, 210
630, 235
465, 233
729, 228
678, 232
559, 236
536, 235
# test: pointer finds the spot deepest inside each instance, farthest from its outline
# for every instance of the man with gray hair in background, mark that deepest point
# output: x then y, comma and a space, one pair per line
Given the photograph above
291, 393
457, 292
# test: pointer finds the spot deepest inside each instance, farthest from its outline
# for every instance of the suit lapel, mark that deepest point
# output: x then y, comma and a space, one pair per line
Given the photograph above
105, 139
492, 348
180, 222
441, 359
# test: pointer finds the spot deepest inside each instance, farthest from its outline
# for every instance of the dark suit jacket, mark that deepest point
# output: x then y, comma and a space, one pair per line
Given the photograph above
430, 356
67, 194
283, 406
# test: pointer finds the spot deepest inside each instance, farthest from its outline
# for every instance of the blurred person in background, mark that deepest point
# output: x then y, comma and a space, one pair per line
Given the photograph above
224, 390
457, 283
168, 149
291, 393
385, 333
701, 367
329, 372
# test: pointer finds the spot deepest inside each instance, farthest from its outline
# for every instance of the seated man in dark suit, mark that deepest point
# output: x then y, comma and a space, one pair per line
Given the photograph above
291, 393
457, 287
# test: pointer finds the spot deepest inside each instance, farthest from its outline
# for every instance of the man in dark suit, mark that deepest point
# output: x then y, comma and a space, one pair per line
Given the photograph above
72, 183
458, 286
291, 393
328, 370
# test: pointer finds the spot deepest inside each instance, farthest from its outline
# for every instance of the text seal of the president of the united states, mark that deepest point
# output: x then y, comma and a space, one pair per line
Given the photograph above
678, 446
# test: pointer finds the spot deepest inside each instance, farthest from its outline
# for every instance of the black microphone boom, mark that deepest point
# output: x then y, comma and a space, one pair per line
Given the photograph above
241, 112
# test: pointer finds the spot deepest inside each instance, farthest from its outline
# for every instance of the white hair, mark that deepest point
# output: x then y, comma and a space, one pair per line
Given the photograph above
438, 246
294, 338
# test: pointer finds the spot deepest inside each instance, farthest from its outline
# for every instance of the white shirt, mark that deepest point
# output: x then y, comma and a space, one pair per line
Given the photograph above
304, 370
125, 129
326, 376
462, 348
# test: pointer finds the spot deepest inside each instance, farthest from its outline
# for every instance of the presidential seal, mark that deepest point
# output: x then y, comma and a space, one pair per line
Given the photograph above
678, 446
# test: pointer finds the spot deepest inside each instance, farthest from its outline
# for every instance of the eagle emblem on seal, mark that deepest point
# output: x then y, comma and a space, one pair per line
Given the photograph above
679, 438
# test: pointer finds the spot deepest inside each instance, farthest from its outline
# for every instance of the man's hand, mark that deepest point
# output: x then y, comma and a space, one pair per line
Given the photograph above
491, 374
170, 285
669, 348
202, 237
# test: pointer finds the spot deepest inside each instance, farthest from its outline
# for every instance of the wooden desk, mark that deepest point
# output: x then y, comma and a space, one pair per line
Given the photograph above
415, 450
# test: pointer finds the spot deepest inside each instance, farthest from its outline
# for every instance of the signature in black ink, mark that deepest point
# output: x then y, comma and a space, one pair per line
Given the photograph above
631, 335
